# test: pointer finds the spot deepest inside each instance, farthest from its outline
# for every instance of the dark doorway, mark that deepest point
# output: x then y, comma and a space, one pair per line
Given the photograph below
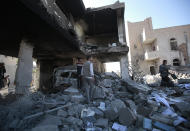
176, 62
152, 70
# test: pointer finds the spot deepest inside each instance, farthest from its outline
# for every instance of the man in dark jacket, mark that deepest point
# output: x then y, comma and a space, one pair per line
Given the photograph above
164, 72
2, 72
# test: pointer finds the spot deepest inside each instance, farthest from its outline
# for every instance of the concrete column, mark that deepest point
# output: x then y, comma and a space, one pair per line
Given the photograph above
122, 39
24, 70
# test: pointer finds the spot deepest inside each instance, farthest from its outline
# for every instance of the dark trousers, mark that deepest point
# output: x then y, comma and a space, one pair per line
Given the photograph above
1, 83
89, 87
79, 81
166, 82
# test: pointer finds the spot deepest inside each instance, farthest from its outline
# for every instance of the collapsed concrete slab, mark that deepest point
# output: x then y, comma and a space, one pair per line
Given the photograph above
136, 88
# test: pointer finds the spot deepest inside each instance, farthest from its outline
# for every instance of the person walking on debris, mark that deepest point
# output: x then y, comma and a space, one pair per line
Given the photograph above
88, 77
164, 72
79, 71
2, 72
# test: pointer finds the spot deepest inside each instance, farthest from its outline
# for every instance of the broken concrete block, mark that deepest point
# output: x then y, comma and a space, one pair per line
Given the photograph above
179, 128
77, 98
126, 116
136, 88
111, 114
164, 126
132, 105
106, 83
74, 121
71, 91
144, 110
139, 121
101, 123
87, 112
62, 113
75, 110
154, 129
93, 129
46, 128
117, 105
51, 120
102, 106
183, 81
119, 127
98, 93
147, 124
65, 98
98, 112
187, 124
183, 107
14, 124
161, 118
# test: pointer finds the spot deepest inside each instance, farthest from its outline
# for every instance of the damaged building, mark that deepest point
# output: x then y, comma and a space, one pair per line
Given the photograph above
53, 34
149, 47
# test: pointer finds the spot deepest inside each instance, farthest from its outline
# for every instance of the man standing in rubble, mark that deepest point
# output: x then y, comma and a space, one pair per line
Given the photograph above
2, 72
164, 72
79, 71
88, 77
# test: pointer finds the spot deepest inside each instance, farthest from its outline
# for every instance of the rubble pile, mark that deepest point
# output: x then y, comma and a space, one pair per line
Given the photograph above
155, 80
118, 105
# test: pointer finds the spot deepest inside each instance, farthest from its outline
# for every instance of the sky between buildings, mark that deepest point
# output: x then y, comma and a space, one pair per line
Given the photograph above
164, 13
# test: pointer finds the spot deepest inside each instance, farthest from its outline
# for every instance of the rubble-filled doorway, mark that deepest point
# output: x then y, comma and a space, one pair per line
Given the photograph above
113, 66
176, 62
152, 70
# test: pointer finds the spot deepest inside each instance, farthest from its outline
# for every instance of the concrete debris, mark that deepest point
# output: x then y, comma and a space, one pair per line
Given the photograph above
62, 113
126, 113
102, 123
183, 81
136, 88
46, 128
119, 105
164, 126
119, 127
152, 80
147, 124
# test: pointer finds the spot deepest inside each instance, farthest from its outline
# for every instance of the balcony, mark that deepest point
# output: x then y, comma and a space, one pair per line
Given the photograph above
152, 55
147, 38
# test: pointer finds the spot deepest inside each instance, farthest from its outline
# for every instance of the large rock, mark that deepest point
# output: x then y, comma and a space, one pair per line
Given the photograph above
126, 116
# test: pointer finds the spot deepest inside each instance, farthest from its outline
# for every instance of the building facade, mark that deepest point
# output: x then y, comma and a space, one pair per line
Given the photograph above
148, 47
